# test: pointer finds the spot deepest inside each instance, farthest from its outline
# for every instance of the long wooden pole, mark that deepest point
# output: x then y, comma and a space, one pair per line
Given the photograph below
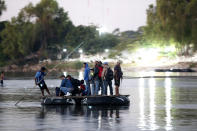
52, 70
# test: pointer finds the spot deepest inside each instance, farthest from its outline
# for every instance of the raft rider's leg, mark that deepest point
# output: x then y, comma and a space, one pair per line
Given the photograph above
45, 87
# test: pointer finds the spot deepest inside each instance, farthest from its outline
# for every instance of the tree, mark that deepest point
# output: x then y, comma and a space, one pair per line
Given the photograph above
173, 20
93, 42
44, 29
36, 29
2, 6
2, 26
81, 34
16, 37
52, 23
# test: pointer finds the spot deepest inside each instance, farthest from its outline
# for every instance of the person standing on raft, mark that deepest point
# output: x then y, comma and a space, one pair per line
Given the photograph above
87, 79
107, 77
39, 80
95, 90
117, 76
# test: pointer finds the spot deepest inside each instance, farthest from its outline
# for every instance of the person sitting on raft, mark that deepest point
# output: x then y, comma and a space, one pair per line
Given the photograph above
39, 80
66, 85
75, 83
82, 88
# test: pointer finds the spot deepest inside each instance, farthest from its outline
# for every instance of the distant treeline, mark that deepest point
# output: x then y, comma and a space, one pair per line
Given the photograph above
43, 30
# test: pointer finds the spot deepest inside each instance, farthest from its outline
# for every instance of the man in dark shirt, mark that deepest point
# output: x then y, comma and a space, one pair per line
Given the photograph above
96, 79
117, 76
107, 77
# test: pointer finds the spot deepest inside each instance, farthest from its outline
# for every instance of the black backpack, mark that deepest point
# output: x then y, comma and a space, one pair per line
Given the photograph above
75, 82
110, 74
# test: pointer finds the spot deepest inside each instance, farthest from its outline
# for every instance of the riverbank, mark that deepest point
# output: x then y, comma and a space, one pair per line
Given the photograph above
73, 66
130, 64
52, 66
179, 65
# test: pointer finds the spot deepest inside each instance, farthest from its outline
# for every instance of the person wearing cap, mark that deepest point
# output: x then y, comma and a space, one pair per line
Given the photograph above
107, 77
39, 80
87, 79
66, 85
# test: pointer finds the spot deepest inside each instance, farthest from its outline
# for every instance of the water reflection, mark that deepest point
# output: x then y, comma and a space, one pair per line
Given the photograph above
141, 104
88, 111
168, 104
101, 116
152, 104
80, 75
150, 109
150, 122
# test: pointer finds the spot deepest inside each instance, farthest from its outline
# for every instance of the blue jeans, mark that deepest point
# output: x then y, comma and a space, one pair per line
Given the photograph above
88, 90
106, 84
102, 87
96, 87
93, 88
66, 90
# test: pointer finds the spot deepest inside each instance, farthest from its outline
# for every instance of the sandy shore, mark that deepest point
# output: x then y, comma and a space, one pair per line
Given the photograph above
126, 67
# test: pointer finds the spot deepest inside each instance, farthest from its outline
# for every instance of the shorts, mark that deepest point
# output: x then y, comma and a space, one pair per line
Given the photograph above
42, 86
117, 82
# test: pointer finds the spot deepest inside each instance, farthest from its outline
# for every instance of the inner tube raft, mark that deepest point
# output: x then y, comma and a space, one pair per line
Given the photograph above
120, 100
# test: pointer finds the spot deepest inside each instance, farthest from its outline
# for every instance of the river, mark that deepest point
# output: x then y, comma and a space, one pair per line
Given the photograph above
156, 103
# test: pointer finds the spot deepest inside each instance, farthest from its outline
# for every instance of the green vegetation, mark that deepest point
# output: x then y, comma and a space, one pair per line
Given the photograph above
2, 26
66, 65
42, 31
2, 6
173, 21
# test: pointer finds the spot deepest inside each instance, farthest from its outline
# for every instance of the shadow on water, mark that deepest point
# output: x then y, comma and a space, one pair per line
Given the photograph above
84, 111
82, 117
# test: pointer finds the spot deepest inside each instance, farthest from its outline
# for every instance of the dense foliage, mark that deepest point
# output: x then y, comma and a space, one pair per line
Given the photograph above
42, 31
2, 6
173, 20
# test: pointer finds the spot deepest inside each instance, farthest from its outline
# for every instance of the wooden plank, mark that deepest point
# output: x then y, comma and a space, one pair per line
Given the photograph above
82, 97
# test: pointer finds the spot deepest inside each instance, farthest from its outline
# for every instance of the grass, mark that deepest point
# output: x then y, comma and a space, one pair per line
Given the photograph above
76, 65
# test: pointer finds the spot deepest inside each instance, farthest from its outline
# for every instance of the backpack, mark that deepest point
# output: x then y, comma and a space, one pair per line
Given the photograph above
100, 71
75, 82
121, 74
110, 74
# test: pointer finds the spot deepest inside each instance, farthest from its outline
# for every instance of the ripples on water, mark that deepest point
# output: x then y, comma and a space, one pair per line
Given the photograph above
156, 104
